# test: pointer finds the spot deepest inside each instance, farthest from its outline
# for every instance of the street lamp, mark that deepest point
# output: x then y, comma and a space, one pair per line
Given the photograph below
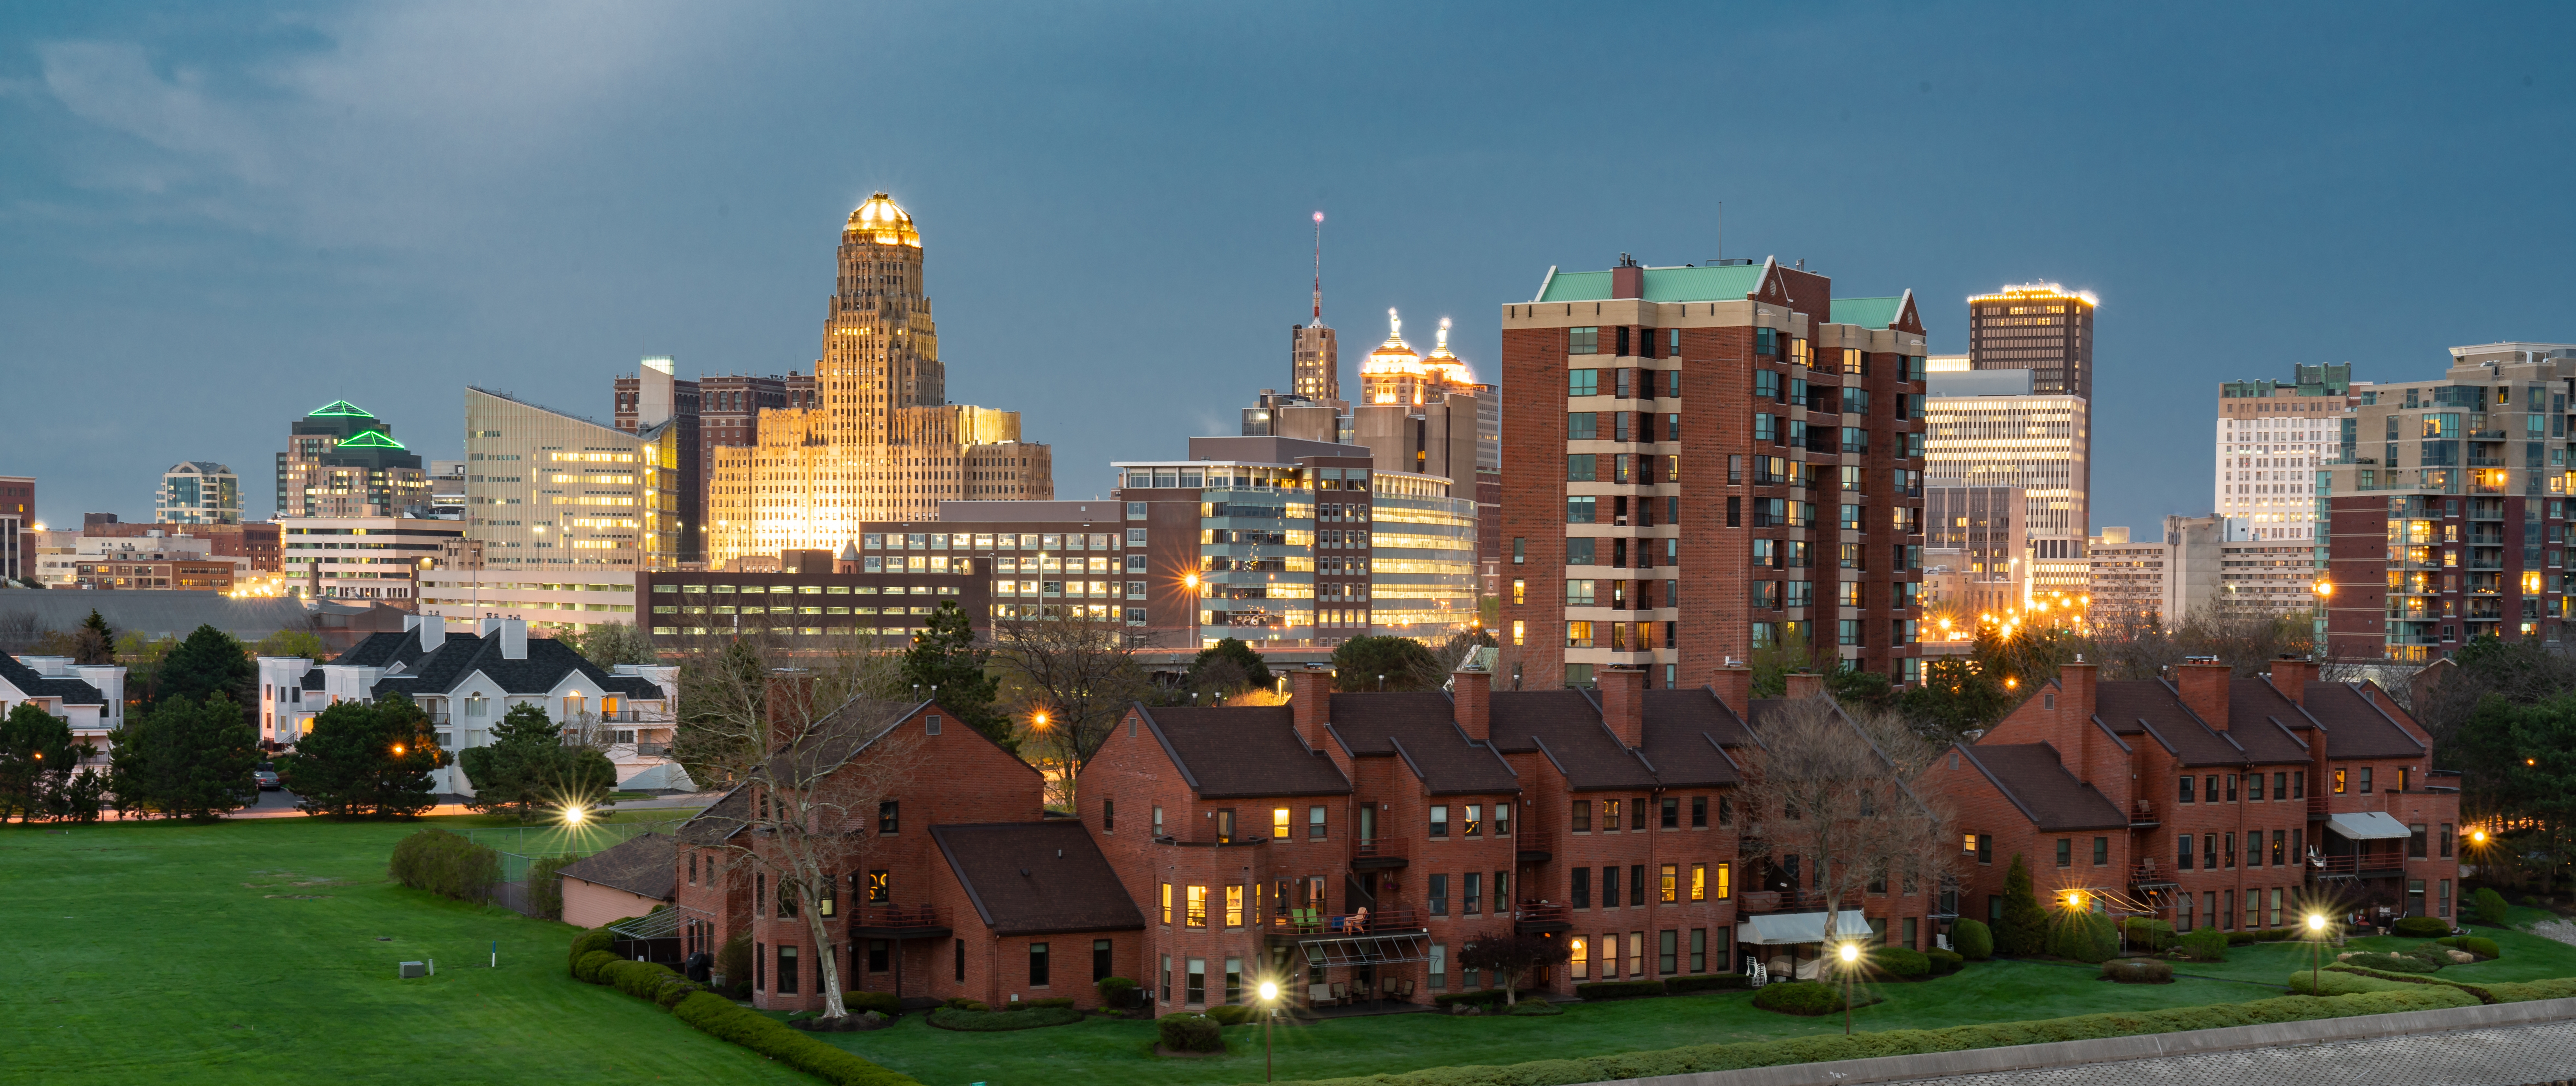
573, 816
1269, 1010
1851, 964
2316, 950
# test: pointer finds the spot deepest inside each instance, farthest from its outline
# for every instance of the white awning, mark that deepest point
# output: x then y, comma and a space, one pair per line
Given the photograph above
1790, 929
2368, 826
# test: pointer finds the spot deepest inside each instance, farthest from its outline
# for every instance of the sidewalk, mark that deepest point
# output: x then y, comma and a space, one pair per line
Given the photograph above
282, 805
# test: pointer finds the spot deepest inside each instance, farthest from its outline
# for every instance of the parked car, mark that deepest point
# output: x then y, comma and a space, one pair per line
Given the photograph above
266, 775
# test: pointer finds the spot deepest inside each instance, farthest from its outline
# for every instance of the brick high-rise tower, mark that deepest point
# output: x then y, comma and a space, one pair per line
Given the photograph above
1703, 463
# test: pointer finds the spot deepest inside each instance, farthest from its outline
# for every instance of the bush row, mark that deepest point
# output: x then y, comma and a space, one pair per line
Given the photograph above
2420, 927
545, 885
718, 1017
1973, 939
1723, 1057
2139, 971
446, 864
1189, 1033
2475, 944
999, 1021
1799, 997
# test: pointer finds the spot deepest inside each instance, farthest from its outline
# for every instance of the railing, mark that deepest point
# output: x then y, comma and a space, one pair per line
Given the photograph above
1780, 901
1542, 912
2142, 812
1378, 848
1317, 922
652, 750
2356, 864
899, 916
1537, 841
2316, 806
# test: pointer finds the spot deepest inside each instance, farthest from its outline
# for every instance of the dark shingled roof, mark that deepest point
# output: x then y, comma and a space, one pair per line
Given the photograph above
440, 670
720, 821
2031, 776
2354, 727
1419, 726
35, 685
1683, 731
383, 650
642, 866
1567, 727
2260, 720
2123, 703
1037, 878
1243, 751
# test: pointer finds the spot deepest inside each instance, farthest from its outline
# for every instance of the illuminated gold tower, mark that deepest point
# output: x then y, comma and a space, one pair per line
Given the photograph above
881, 442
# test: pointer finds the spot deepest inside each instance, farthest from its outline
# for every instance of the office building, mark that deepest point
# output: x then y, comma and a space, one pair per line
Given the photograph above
253, 546
546, 490
880, 441
1986, 428
447, 489
362, 558
2127, 585
711, 412
2272, 437
341, 461
811, 598
2039, 327
198, 492
1975, 550
1314, 355
605, 597
18, 528
151, 561
2448, 522
1723, 460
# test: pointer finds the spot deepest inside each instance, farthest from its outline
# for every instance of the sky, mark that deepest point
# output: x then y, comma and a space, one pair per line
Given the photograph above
215, 218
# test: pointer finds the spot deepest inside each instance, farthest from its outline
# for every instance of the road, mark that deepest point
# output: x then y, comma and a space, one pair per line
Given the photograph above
2489, 1056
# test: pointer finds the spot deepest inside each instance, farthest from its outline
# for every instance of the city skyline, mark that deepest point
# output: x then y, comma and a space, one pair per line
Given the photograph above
222, 176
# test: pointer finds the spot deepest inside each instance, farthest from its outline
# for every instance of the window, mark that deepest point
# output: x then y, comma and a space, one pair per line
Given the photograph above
889, 816
1699, 812
1279, 823
2365, 780
1582, 509
2189, 787
760, 964
1610, 815
1636, 884
1583, 382
1472, 899
1234, 980
1167, 969
1315, 822
1610, 888
1667, 951
1582, 425
1582, 468
2446, 840
1438, 895
1579, 958
2065, 852
877, 956
1583, 341
1438, 966
1197, 992
1503, 819
1636, 953
1986, 848
2231, 788
1582, 888
2254, 788
2101, 852
2415, 841
1158, 820
1582, 816
2182, 852
1699, 885
1037, 965
1196, 907
1167, 904
1474, 825
1439, 821
1637, 813
1108, 816
2299, 784
2338, 780
1101, 963
787, 970
1668, 886
880, 887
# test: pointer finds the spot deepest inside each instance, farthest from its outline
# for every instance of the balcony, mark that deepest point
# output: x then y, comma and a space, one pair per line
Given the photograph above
1542, 918
1378, 853
2316, 807
2142, 815
1780, 901
2148, 874
1536, 846
1315, 922
900, 922
2368, 865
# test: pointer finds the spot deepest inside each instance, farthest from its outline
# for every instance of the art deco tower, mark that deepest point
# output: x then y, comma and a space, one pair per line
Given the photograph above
880, 345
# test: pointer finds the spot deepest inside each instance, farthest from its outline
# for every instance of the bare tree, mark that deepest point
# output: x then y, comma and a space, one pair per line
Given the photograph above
1836, 789
1067, 680
830, 755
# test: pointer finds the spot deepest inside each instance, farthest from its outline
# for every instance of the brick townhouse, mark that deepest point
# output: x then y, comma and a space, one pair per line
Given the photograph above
1348, 843
2208, 801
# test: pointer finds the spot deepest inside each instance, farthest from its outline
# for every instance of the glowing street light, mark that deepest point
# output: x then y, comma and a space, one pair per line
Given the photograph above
1038, 720
1850, 954
1269, 1001
2316, 950
2477, 837
573, 816
398, 749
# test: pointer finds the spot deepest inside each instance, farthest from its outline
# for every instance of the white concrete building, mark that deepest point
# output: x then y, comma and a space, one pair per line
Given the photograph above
89, 697
359, 558
2272, 438
568, 601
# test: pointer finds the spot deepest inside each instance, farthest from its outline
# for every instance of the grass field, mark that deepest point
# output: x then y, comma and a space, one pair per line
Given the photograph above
246, 952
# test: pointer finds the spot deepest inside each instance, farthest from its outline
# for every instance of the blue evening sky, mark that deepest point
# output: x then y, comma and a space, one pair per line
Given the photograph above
214, 218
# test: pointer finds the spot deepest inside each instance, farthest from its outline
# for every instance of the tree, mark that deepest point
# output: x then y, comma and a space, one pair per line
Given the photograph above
1866, 691
1068, 679
210, 661
1955, 697
93, 642
609, 644
284, 643
365, 759
185, 758
703, 739
1833, 789
36, 759
2024, 928
1377, 662
1229, 667
833, 756
1511, 956
946, 665
528, 766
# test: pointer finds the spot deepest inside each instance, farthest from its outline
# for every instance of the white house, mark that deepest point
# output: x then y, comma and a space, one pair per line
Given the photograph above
467, 681
90, 697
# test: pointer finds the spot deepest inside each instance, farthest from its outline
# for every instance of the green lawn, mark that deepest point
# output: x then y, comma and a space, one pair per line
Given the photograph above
246, 952
2526, 957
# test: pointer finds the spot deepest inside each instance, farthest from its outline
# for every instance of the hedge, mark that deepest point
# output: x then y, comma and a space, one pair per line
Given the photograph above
545, 886
2527, 990
2392, 963
446, 864
2335, 982
1189, 1033
718, 1017
2205, 945
1113, 991
2420, 927
2488, 907
1618, 989
1799, 997
1897, 961
2085, 937
1945, 962
1491, 997
1535, 1006
2262, 935
2475, 944
1706, 982
1230, 1014
885, 1003
2157, 935
584, 943
1973, 939
2139, 971
1742, 1054
999, 1021
587, 969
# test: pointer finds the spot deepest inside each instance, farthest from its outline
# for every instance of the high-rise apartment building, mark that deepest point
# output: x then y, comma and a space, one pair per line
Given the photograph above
2449, 520
545, 490
1719, 461
2272, 436
1985, 428
2040, 327
714, 411
880, 441
198, 492
18, 528
341, 461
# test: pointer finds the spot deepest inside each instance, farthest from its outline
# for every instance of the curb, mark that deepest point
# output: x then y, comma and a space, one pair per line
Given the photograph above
2118, 1049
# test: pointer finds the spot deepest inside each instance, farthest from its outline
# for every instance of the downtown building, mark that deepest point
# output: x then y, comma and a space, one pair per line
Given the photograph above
554, 492
880, 441
198, 492
711, 412
341, 461
19, 531
2449, 521
1990, 429
2272, 436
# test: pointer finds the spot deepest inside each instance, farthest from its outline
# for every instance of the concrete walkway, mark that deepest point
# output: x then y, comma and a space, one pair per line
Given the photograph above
2510, 1044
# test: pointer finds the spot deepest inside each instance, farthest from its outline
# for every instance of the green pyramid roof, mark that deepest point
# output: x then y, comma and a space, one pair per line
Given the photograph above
341, 407
370, 439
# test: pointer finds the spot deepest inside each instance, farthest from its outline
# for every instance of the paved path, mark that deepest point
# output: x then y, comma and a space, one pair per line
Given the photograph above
2494, 1056
2559, 930
282, 805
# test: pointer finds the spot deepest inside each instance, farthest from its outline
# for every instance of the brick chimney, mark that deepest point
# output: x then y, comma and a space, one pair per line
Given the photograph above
1310, 701
2203, 684
2075, 694
1734, 686
1805, 684
1471, 692
2291, 678
1627, 281
1623, 702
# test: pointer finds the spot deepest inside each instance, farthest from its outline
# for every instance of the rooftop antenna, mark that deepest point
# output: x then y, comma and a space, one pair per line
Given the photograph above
1319, 270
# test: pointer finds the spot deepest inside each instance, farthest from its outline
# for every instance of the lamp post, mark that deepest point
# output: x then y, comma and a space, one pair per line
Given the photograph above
1851, 964
2316, 950
1269, 1010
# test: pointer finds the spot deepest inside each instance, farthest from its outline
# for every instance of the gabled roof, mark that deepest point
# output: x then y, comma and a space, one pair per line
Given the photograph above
1242, 752
1868, 312
2032, 777
36, 685
2354, 727
1419, 727
382, 650
2260, 720
548, 662
1037, 878
1684, 730
2123, 704
1723, 283
720, 821
642, 866
1566, 726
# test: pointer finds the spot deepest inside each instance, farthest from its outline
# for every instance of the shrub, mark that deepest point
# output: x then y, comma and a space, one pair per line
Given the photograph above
2148, 934
2421, 927
2024, 930
2484, 995
2263, 935
1973, 940
885, 1003
1491, 997
1743, 1054
1897, 961
2475, 944
590, 964
2205, 945
1031, 1004
1535, 1006
1618, 989
584, 943
1799, 997
983, 1021
2487, 907
2522, 991
961, 1003
1704, 982
1113, 991
2335, 982
1230, 1014
717, 1017
733, 959
2139, 971
545, 886
2432, 954
446, 864
2391, 963
2085, 937
1189, 1033
1945, 962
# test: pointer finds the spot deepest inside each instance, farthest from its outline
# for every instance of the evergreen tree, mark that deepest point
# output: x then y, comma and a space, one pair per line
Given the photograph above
36, 758
945, 657
1385, 663
364, 760
1229, 666
528, 767
210, 661
2024, 928
94, 643
609, 644
284, 643
185, 758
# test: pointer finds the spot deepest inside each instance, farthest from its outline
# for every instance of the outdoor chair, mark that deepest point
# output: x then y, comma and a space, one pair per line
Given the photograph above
1319, 995
1405, 990
1341, 993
